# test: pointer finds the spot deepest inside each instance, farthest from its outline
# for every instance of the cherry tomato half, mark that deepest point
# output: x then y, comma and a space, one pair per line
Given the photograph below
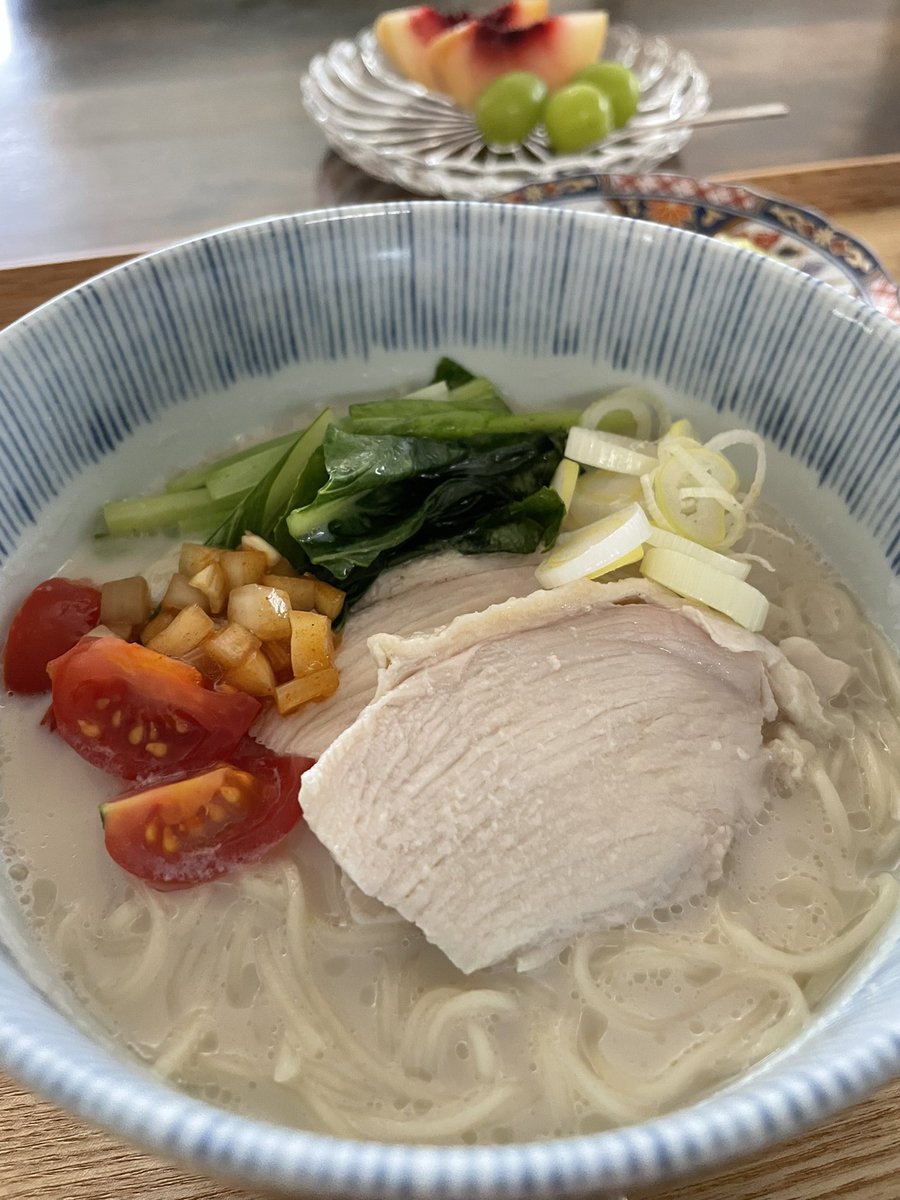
50, 621
185, 831
141, 715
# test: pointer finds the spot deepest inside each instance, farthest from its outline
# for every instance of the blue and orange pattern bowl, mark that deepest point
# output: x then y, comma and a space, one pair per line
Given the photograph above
796, 236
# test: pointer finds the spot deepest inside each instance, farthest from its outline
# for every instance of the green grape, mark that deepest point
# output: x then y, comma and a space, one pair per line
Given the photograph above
509, 108
577, 116
617, 83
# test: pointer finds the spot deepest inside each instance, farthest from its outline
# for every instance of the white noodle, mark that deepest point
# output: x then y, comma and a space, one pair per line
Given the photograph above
426, 1055
826, 957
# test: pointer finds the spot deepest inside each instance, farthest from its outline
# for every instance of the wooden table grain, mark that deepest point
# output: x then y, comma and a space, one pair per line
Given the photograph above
47, 1155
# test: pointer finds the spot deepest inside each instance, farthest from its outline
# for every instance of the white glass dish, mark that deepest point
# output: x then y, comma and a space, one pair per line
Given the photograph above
400, 132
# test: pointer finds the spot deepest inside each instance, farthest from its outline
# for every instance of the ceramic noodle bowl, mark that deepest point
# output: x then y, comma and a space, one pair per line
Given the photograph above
160, 362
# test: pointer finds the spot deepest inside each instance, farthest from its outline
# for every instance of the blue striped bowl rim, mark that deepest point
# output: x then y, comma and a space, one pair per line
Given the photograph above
83, 372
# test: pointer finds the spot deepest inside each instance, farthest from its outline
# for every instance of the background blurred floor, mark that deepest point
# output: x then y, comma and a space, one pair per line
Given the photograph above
131, 123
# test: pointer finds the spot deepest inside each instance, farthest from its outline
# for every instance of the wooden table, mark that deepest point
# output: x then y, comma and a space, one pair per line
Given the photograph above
46, 1155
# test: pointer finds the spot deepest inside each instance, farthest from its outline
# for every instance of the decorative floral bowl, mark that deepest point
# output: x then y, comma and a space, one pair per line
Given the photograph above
799, 237
176, 353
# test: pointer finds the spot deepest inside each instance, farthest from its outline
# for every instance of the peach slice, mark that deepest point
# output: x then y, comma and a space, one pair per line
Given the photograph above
466, 59
405, 34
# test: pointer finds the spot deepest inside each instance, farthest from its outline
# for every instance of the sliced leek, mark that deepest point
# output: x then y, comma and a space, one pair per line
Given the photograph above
693, 490
599, 493
606, 487
645, 414
744, 437
627, 560
596, 549
696, 581
565, 477
682, 428
672, 541
624, 455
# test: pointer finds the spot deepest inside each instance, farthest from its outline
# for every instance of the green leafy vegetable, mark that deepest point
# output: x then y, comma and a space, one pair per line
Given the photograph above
261, 509
457, 423
197, 476
519, 527
452, 373
447, 466
478, 396
388, 499
148, 514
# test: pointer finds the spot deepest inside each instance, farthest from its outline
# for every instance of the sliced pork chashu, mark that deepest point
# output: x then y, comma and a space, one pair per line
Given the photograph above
565, 761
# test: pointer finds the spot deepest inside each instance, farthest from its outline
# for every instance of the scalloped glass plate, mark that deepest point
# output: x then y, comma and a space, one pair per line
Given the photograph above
400, 132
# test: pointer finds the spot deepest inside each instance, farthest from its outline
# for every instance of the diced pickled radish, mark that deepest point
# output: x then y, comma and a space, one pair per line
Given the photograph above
255, 675
157, 624
125, 601
182, 594
212, 583
696, 581
564, 480
671, 541
329, 600
317, 686
301, 591
231, 646
243, 566
252, 541
609, 451
594, 550
265, 611
184, 633
279, 655
194, 557
312, 644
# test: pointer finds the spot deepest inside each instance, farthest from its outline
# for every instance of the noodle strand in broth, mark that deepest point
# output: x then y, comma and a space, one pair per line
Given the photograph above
282, 992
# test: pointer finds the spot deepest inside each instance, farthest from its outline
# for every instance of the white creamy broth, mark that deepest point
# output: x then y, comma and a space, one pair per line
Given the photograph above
283, 993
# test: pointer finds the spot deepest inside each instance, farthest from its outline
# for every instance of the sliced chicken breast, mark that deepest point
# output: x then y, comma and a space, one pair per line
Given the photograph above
420, 595
556, 763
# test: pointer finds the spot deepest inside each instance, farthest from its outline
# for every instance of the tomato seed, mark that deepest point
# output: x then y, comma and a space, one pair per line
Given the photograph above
157, 749
170, 842
216, 812
181, 726
103, 702
89, 728
136, 735
116, 718
151, 834
230, 794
